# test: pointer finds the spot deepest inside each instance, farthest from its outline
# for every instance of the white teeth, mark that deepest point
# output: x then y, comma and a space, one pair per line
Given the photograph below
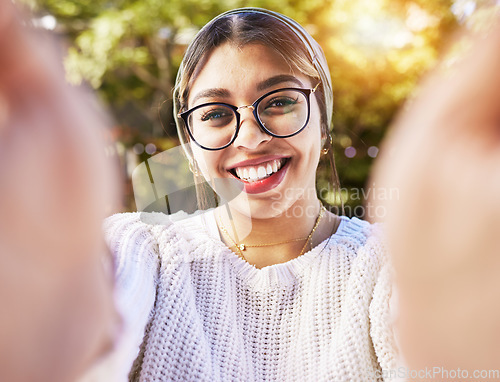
275, 165
269, 169
253, 174
261, 172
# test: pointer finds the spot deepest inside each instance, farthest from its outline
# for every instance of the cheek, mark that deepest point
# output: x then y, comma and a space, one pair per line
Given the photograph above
311, 144
314, 136
207, 162
307, 146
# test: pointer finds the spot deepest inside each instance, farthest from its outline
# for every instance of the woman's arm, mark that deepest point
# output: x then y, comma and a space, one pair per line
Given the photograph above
57, 313
443, 158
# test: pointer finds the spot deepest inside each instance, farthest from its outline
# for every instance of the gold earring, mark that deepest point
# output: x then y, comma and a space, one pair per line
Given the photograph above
327, 145
193, 168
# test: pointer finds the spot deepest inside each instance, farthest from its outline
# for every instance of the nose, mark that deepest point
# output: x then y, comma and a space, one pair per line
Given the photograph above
250, 135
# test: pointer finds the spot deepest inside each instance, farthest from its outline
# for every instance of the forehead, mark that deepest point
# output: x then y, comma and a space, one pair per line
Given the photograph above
240, 69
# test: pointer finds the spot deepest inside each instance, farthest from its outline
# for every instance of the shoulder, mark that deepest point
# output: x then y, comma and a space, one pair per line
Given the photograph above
125, 231
360, 234
129, 222
132, 237
122, 227
359, 248
130, 234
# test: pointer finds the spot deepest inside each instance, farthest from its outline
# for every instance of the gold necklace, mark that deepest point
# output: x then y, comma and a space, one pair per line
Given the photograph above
241, 247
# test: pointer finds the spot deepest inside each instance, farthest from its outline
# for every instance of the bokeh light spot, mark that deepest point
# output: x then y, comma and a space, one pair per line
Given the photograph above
350, 152
150, 148
138, 148
372, 151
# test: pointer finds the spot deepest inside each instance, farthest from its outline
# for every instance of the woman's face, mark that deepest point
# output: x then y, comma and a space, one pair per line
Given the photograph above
280, 172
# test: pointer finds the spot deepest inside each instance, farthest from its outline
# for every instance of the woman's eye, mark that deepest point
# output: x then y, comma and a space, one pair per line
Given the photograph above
213, 115
281, 102
280, 105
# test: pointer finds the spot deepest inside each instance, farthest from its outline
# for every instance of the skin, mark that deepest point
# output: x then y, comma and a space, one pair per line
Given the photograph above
57, 312
443, 156
289, 210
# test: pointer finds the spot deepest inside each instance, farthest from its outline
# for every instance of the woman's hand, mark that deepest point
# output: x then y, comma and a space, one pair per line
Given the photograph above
443, 158
57, 314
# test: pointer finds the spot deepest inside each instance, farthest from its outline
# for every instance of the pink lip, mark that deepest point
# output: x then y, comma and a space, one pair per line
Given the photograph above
266, 184
256, 161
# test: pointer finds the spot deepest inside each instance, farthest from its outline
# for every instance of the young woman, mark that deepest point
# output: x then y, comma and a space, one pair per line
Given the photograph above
268, 285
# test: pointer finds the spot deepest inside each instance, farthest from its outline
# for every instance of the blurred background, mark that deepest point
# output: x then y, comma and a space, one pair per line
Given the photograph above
129, 52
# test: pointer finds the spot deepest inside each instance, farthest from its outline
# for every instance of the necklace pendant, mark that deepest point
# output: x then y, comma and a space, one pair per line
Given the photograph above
241, 247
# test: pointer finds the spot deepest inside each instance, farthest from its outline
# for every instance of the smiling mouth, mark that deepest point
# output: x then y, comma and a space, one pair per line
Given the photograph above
252, 174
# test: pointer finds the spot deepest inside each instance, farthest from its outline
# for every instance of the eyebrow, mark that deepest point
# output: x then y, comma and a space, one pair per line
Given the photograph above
212, 93
278, 80
266, 84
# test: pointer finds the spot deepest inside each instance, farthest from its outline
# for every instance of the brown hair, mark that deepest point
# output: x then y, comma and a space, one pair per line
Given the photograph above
242, 28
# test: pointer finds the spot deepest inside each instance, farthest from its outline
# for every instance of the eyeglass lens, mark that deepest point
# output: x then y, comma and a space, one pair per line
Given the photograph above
282, 113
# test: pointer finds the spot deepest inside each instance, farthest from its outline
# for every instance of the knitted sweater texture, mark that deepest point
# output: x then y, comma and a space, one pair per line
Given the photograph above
194, 311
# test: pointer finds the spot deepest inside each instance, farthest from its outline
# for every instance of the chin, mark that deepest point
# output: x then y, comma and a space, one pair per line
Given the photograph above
260, 208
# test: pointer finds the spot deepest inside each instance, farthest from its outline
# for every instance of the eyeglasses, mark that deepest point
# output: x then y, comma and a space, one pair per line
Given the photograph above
281, 113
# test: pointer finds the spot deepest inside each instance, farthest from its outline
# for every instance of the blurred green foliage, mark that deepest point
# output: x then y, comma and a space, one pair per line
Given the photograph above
129, 51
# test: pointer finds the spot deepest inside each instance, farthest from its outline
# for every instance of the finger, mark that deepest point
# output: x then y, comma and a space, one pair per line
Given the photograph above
457, 108
12, 39
7, 19
472, 65
464, 92
29, 62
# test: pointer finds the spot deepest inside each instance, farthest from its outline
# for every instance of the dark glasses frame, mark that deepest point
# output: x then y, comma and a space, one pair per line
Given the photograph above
254, 107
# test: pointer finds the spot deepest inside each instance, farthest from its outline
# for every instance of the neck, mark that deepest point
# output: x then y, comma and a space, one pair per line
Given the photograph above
290, 228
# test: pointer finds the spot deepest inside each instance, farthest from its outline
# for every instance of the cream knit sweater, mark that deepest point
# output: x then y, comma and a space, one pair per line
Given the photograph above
194, 311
